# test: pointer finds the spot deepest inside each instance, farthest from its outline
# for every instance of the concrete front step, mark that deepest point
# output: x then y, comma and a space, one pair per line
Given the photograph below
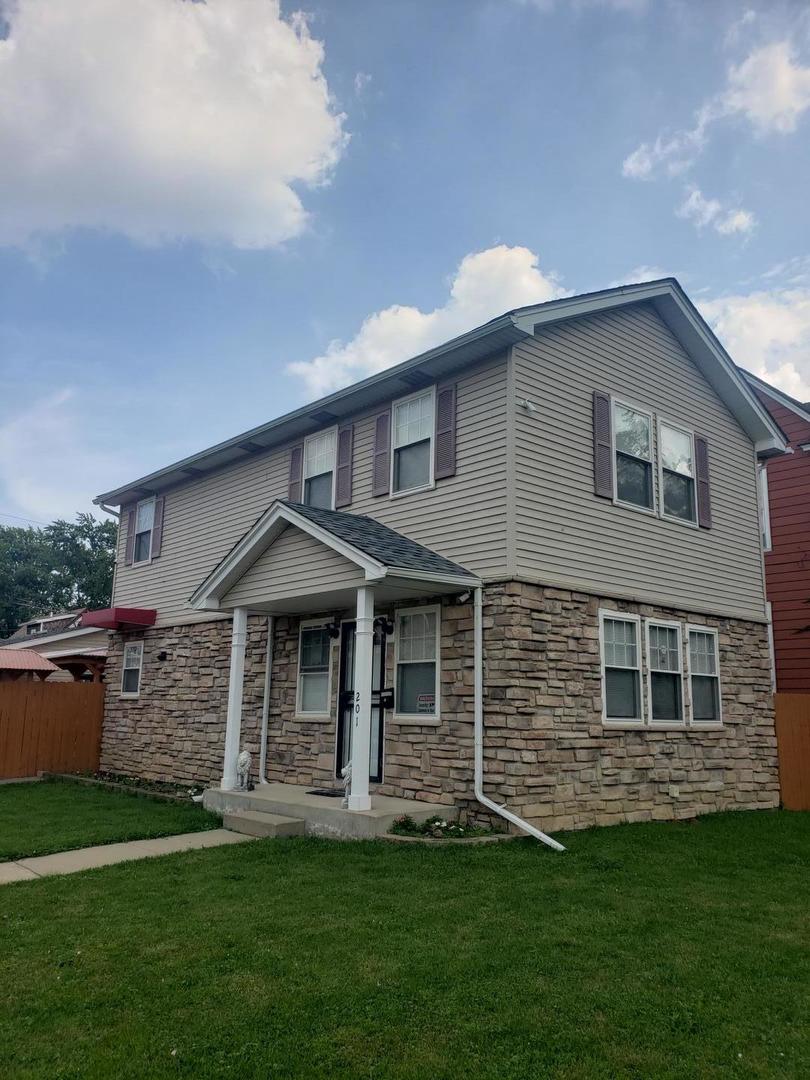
260, 823
321, 816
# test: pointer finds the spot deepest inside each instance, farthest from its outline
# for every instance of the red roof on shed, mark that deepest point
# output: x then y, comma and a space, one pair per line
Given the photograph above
24, 660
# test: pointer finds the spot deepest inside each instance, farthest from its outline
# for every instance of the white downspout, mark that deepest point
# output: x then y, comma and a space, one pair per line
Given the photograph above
478, 654
268, 680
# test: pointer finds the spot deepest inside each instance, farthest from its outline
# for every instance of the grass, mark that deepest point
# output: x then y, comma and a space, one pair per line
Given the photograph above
54, 815
646, 951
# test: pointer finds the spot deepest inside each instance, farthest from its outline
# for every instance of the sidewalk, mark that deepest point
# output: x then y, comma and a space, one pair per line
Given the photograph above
70, 862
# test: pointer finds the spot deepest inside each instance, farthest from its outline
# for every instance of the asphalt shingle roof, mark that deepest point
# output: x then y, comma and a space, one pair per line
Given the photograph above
375, 539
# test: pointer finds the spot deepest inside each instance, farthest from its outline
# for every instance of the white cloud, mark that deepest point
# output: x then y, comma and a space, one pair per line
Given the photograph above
702, 212
767, 332
485, 284
162, 120
769, 88
639, 274
47, 457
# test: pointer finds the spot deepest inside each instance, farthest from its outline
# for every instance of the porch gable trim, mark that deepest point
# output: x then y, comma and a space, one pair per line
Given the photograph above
258, 539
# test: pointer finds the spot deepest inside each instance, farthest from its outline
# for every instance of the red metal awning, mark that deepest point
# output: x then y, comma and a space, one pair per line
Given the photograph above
120, 618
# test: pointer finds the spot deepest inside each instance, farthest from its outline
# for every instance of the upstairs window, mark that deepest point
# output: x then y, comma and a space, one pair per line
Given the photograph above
313, 671
319, 470
666, 677
677, 452
412, 442
621, 667
704, 678
417, 663
633, 449
144, 526
131, 669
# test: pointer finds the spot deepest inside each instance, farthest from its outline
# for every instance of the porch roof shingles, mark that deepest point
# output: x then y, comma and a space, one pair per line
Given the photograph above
388, 547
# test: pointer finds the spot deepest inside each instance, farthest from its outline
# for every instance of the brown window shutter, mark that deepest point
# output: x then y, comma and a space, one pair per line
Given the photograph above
602, 446
157, 527
343, 480
704, 501
295, 487
381, 469
445, 448
129, 550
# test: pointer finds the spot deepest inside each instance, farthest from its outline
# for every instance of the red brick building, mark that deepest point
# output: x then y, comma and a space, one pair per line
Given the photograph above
785, 496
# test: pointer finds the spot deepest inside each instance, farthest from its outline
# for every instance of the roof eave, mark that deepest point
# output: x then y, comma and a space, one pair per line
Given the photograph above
471, 347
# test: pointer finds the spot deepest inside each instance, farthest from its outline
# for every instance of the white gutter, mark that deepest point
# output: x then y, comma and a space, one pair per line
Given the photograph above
268, 679
478, 653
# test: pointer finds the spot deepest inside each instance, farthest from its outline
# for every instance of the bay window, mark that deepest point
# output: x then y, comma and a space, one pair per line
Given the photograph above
417, 663
633, 452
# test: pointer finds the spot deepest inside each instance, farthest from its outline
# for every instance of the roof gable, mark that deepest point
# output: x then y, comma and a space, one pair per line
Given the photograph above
377, 551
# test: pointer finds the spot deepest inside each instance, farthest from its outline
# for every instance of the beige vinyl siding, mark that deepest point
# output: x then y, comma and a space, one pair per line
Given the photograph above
463, 517
566, 534
295, 565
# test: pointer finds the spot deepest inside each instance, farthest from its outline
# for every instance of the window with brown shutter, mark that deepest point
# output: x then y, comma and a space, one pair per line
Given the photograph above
296, 474
445, 448
602, 446
129, 550
381, 466
704, 501
343, 481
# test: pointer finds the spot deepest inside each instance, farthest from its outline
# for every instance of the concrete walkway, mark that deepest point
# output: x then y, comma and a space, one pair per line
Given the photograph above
70, 862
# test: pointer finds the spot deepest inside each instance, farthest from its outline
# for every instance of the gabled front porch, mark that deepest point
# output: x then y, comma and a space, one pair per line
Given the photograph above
352, 573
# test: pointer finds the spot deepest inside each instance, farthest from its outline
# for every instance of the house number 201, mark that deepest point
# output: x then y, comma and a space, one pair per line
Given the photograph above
357, 707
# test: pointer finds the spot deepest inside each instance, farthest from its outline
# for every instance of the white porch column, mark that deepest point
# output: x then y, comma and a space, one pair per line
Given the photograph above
361, 713
233, 727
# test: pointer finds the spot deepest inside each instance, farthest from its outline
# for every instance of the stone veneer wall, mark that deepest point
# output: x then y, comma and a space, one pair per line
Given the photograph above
547, 754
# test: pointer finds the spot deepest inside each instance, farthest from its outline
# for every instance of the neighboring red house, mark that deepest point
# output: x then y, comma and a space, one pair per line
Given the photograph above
785, 499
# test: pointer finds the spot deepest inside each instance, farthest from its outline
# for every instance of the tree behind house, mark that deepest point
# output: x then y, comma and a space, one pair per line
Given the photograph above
62, 566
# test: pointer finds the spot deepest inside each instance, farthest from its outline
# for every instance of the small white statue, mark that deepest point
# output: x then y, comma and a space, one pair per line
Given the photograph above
243, 763
346, 773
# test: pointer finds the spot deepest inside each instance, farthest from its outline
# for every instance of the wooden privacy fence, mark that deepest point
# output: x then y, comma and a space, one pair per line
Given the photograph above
54, 727
793, 738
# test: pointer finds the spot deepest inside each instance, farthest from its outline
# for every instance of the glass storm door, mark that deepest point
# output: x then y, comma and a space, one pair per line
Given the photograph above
346, 701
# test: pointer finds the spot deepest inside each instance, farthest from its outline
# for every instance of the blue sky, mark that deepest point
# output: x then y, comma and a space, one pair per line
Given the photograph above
211, 213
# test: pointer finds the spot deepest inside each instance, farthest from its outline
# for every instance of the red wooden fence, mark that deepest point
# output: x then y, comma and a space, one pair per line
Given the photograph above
793, 738
51, 727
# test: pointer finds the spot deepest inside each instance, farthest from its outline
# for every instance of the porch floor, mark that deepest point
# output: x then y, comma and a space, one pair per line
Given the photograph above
322, 816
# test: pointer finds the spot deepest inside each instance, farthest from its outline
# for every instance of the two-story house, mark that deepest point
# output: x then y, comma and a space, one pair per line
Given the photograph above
520, 573
785, 501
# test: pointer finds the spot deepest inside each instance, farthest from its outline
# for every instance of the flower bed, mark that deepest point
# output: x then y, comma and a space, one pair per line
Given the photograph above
439, 828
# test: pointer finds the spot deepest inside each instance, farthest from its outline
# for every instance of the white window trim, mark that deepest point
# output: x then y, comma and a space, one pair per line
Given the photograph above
132, 693
304, 477
764, 507
310, 624
648, 623
621, 722
663, 422
417, 718
143, 562
424, 392
614, 401
704, 725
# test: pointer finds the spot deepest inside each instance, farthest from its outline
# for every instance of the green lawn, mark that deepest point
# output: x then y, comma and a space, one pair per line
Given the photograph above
646, 951
54, 815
